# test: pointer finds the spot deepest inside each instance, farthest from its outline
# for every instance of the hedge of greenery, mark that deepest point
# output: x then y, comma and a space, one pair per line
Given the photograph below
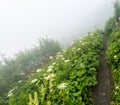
113, 57
66, 80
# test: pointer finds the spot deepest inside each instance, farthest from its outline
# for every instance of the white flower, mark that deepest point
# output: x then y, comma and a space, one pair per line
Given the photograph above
38, 70
50, 67
22, 74
59, 56
11, 91
10, 95
34, 81
78, 49
50, 76
115, 93
117, 87
49, 70
67, 60
19, 81
74, 48
75, 60
53, 63
63, 58
51, 57
62, 86
58, 53
65, 50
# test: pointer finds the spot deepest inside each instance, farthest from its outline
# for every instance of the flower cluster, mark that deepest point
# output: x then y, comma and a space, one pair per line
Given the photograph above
38, 70
10, 93
62, 86
34, 81
50, 76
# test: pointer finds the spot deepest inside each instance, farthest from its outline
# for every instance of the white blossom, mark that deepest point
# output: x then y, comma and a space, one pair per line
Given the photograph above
78, 49
74, 48
50, 67
11, 91
19, 81
22, 74
10, 95
75, 60
50, 76
53, 63
117, 87
62, 86
63, 58
51, 57
67, 60
58, 53
38, 70
59, 56
49, 70
34, 81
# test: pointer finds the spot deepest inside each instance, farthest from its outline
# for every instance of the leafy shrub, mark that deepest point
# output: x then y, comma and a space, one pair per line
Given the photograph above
25, 62
113, 57
68, 78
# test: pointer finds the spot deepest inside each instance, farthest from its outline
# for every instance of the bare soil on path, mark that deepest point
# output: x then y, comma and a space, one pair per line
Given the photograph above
102, 91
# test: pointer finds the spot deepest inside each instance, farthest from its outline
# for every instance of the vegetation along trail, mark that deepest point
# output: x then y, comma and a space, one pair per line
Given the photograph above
102, 92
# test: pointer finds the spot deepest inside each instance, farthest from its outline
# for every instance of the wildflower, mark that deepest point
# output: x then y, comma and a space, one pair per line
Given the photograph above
74, 48
78, 49
49, 70
11, 91
10, 95
115, 93
51, 57
34, 81
67, 60
58, 53
62, 86
75, 60
116, 87
115, 56
38, 70
50, 76
63, 58
50, 67
19, 81
22, 74
44, 75
53, 63
59, 56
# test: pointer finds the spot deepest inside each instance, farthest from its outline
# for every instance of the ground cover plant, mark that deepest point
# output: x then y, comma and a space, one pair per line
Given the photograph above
113, 57
66, 79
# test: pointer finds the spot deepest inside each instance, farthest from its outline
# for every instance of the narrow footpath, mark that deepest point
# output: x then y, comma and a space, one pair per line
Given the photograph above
102, 92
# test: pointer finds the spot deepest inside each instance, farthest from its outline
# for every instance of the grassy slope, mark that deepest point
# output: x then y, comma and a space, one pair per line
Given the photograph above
67, 78
113, 57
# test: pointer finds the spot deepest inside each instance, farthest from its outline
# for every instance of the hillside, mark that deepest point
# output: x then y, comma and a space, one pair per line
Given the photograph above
85, 73
71, 74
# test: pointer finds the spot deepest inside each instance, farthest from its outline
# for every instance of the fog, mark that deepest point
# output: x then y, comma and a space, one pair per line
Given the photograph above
23, 22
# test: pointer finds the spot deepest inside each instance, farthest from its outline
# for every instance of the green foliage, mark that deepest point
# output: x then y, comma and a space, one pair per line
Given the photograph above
113, 57
16, 70
110, 26
114, 22
67, 79
117, 10
33, 101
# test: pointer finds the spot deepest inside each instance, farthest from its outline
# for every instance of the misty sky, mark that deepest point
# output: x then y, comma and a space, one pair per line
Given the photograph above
23, 22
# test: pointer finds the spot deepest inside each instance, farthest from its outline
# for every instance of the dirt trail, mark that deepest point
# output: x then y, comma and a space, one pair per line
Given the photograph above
102, 92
